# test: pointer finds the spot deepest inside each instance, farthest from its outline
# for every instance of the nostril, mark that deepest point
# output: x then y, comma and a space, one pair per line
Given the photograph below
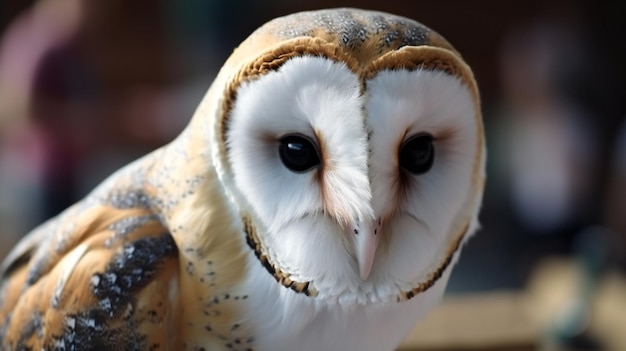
356, 232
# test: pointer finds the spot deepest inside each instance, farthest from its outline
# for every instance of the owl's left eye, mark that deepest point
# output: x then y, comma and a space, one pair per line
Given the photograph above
298, 153
417, 154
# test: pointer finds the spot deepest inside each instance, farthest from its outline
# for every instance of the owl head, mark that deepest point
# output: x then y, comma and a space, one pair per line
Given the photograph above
350, 144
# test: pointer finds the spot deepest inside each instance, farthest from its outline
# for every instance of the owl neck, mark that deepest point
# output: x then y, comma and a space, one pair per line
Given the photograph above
187, 195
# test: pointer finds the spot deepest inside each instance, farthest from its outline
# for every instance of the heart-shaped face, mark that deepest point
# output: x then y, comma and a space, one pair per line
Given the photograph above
352, 143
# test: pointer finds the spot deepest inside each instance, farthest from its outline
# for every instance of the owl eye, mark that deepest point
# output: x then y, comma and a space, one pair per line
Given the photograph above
417, 154
298, 153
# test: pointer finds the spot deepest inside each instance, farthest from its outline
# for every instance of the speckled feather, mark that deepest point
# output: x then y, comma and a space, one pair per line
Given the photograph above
154, 258
364, 35
119, 270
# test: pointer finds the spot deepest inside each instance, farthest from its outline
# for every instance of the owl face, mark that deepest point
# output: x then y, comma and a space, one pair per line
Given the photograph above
356, 180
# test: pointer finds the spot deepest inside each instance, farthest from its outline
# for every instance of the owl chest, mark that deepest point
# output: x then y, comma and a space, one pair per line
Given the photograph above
281, 319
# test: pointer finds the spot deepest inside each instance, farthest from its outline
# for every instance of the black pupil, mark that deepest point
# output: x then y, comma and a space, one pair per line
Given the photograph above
417, 154
298, 153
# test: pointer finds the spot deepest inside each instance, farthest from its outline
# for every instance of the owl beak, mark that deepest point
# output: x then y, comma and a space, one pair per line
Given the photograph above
366, 241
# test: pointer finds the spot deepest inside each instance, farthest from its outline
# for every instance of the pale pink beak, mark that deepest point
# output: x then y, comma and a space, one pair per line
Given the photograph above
366, 241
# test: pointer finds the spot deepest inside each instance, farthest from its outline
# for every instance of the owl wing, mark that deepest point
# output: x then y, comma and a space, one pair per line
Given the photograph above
97, 277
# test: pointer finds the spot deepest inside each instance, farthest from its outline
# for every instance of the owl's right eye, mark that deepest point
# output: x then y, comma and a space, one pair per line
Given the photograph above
298, 153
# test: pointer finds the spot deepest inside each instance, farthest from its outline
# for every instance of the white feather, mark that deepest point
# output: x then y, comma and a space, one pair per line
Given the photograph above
401, 104
360, 136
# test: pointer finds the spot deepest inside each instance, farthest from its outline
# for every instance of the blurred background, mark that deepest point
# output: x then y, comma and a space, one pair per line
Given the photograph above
87, 86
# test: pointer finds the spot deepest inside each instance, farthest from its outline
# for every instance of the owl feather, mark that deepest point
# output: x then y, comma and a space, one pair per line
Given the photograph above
225, 240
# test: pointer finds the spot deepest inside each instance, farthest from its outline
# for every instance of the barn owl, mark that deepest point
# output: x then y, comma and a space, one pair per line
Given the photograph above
317, 200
